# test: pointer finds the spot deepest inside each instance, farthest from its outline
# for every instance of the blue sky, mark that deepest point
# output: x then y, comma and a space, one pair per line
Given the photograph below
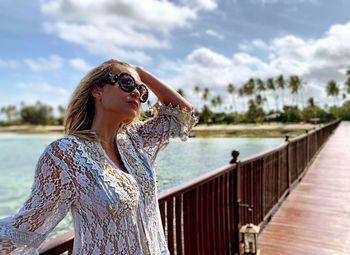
47, 46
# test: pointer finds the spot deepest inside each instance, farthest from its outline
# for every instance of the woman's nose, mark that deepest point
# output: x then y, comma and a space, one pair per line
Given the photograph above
135, 93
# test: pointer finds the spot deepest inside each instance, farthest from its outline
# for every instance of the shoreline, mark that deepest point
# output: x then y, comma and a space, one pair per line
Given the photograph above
237, 130
30, 129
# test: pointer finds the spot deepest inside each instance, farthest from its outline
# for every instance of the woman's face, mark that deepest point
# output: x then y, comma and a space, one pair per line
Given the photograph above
115, 102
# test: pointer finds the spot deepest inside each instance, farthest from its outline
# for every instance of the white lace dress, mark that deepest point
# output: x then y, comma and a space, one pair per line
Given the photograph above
113, 212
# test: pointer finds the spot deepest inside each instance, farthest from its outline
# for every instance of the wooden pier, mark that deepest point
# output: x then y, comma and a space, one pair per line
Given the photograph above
305, 180
315, 217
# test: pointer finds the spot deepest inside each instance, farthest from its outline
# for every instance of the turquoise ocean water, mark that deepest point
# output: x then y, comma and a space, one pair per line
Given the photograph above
178, 163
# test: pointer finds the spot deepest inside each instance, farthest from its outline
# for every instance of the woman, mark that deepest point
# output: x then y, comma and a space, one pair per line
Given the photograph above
103, 170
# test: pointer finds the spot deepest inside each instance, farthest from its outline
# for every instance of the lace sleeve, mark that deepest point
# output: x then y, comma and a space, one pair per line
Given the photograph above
168, 122
51, 197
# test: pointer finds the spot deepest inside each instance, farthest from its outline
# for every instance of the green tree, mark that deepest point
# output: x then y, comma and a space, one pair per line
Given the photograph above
61, 113
259, 100
294, 84
216, 102
37, 114
255, 112
206, 116
312, 112
347, 82
291, 114
249, 87
181, 92
344, 111
270, 84
197, 91
205, 95
241, 95
261, 87
10, 112
332, 90
311, 101
219, 101
231, 89
281, 86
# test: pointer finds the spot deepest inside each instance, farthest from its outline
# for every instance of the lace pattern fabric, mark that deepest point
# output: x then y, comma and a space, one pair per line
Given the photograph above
113, 212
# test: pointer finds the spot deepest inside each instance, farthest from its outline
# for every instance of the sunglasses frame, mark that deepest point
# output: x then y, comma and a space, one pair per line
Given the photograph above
116, 78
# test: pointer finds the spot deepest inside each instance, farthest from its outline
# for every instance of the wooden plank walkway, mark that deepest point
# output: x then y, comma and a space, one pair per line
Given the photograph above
315, 217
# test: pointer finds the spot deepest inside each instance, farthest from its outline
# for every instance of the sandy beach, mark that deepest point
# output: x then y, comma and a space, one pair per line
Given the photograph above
239, 130
30, 129
254, 130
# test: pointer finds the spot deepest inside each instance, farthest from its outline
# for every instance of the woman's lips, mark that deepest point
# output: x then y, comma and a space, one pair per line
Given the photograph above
135, 104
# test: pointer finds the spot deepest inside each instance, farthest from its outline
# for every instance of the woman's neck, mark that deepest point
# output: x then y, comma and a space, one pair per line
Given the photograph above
106, 130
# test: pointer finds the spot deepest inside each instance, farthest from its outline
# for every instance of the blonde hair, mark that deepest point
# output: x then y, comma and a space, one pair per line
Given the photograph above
81, 108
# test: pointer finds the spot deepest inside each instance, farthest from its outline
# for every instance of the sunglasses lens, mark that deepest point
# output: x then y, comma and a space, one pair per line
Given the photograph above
126, 82
143, 93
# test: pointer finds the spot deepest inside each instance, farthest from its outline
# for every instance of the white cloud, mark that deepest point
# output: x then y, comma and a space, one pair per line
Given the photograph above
120, 29
204, 57
207, 5
12, 64
260, 44
53, 62
43, 88
264, 2
257, 44
315, 61
80, 64
214, 34
245, 47
318, 60
211, 69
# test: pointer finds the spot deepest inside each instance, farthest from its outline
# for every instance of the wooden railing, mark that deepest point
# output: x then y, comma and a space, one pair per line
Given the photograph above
203, 216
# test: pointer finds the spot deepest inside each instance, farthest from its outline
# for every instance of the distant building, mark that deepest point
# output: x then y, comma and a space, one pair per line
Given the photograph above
272, 116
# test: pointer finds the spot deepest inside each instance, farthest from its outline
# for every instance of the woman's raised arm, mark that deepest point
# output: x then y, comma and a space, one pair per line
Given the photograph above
164, 92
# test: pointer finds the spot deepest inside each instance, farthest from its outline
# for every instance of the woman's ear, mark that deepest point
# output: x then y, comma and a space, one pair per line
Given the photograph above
97, 93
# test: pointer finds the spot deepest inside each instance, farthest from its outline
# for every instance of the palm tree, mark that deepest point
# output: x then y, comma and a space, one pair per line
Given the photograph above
205, 95
61, 111
261, 88
270, 84
347, 86
216, 101
294, 84
348, 73
10, 111
249, 87
241, 94
332, 90
259, 100
311, 102
181, 92
219, 101
197, 91
347, 82
281, 86
232, 90
301, 89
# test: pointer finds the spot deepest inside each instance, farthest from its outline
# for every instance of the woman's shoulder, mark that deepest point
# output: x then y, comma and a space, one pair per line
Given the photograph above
69, 142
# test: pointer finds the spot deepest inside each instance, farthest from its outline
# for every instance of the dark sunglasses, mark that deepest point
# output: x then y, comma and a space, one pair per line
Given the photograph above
127, 84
